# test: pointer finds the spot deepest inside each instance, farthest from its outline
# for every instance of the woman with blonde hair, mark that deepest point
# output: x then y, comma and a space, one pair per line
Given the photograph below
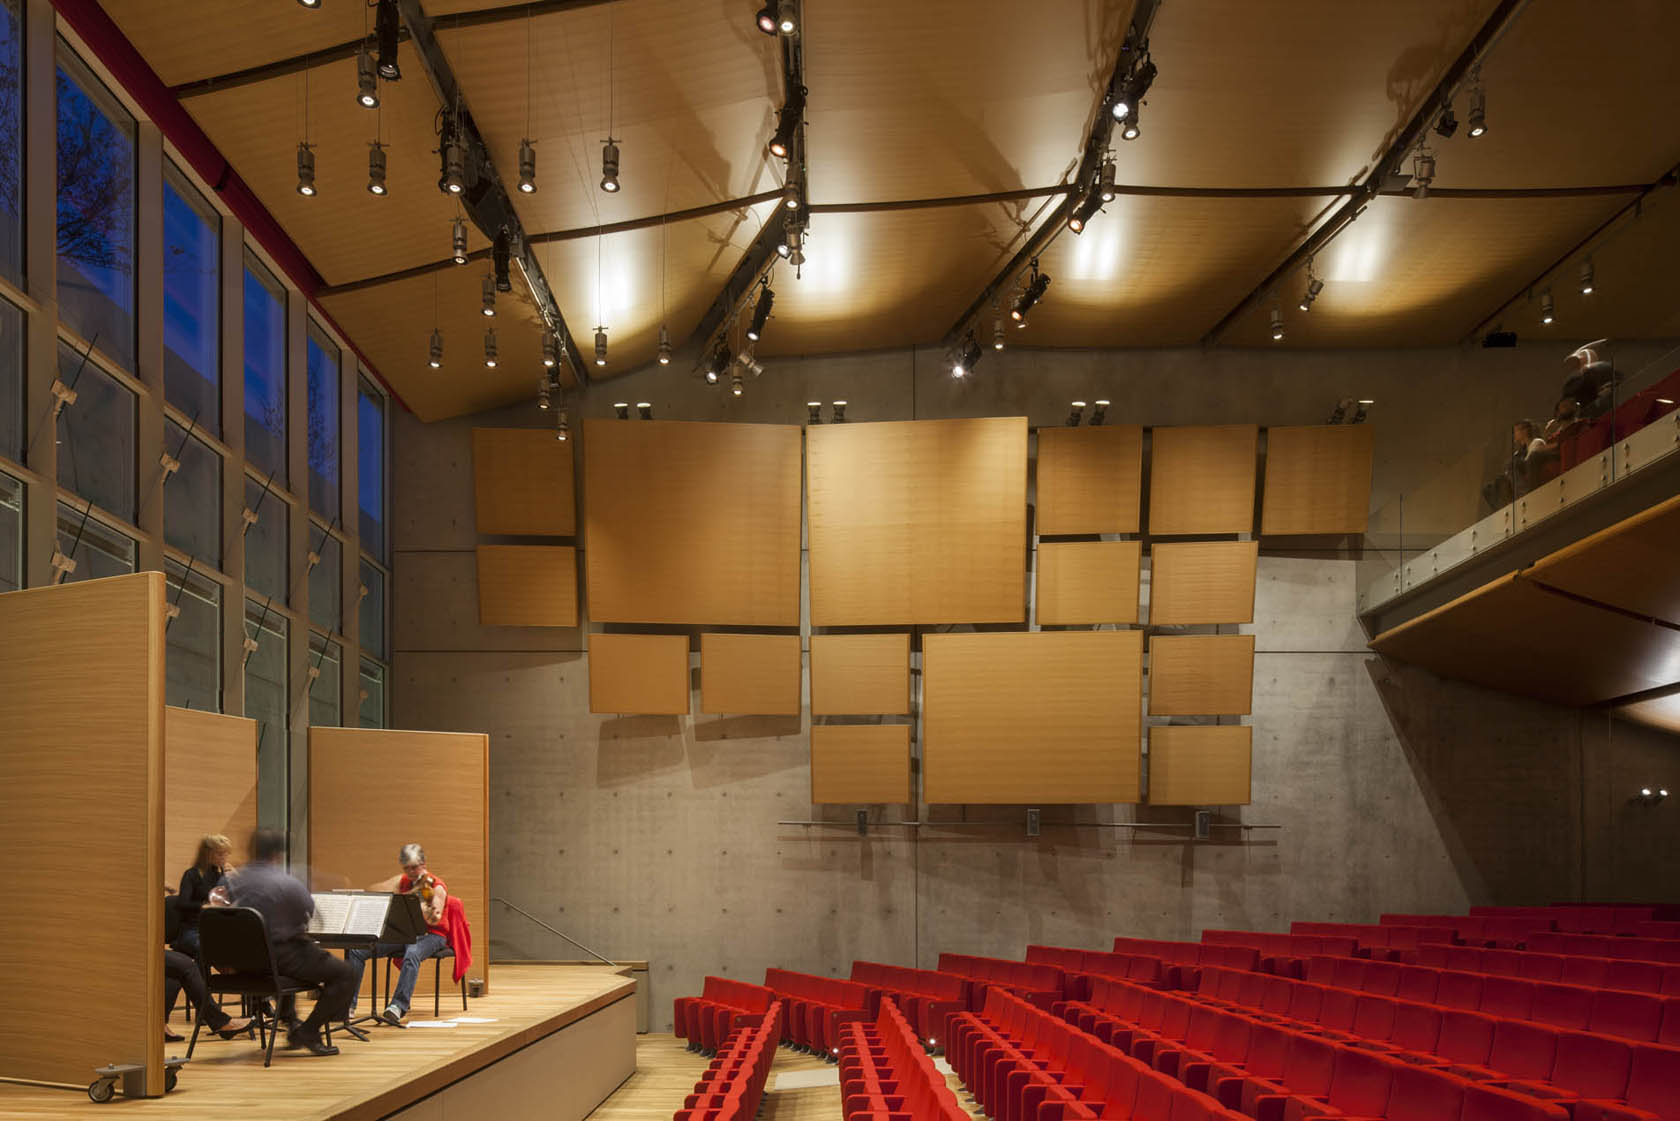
212, 865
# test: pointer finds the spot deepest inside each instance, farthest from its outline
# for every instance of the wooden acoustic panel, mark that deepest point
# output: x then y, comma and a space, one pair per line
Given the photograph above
1201, 674
1202, 582
750, 673
81, 803
522, 480
210, 776
1658, 712
860, 674
1318, 479
692, 523
433, 790
1090, 479
920, 521
527, 586
1035, 717
1200, 764
638, 673
1631, 565
860, 763
1201, 479
1088, 582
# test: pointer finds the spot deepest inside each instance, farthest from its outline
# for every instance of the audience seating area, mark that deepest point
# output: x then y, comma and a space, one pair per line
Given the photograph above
732, 1086
722, 1006
1030, 980
886, 1076
816, 1007
923, 996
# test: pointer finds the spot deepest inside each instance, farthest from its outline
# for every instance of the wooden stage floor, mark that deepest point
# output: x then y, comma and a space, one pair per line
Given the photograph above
226, 1081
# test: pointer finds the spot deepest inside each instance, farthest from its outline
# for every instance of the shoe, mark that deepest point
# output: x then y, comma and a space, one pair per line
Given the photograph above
235, 1028
170, 1035
311, 1042
391, 1016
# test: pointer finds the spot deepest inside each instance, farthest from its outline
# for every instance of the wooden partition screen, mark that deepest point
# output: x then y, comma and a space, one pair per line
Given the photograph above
860, 674
522, 480
1087, 582
373, 790
527, 585
1200, 764
1201, 479
638, 673
1090, 480
853, 763
1202, 582
692, 523
81, 806
210, 783
1318, 479
1201, 674
1036, 717
750, 673
921, 521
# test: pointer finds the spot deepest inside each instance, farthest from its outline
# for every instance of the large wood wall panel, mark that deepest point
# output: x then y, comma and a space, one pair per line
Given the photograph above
1201, 479
860, 763
1200, 764
860, 674
692, 523
1630, 565
373, 790
81, 829
1201, 674
1037, 717
750, 673
527, 586
638, 673
1090, 479
210, 776
1202, 582
1318, 479
1088, 582
918, 522
522, 481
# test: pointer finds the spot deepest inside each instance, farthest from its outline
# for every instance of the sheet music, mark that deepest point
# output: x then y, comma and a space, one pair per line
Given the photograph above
330, 912
367, 914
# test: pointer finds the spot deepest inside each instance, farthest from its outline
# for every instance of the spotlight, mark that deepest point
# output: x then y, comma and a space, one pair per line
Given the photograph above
1339, 414
769, 18
1099, 411
527, 166
997, 334
1084, 211
1030, 295
1360, 413
542, 392
839, 408
736, 387
1277, 325
785, 22
790, 195
306, 170
787, 124
386, 26
1476, 115
600, 346
367, 80
664, 346
1314, 287
454, 167
622, 408
644, 409
1446, 124
434, 352
789, 247
1587, 277
550, 349
1105, 179
1546, 309
490, 347
967, 356
309, 3
1132, 90
609, 166
488, 305
761, 312
500, 252
813, 412
1423, 174
719, 363
1076, 413
562, 425
458, 241
1130, 130
376, 168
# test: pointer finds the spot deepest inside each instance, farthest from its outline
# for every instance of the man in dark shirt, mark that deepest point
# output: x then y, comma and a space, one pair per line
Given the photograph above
286, 907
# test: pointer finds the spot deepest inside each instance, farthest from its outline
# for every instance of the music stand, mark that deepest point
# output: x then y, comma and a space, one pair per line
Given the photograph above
405, 922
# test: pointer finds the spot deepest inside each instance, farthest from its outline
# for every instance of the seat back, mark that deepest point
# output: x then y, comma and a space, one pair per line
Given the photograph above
235, 939
1421, 1094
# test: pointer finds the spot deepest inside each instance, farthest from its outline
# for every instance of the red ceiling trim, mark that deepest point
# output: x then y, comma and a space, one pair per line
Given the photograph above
162, 108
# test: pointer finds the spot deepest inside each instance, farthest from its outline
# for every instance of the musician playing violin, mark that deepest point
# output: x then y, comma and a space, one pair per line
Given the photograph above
416, 879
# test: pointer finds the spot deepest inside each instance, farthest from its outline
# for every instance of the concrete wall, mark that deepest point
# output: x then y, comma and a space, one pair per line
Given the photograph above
657, 837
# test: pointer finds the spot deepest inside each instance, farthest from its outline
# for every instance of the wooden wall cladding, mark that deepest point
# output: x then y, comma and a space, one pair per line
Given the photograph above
1201, 674
1202, 582
1088, 582
638, 673
522, 479
1201, 479
1090, 479
434, 790
1200, 764
210, 776
918, 522
860, 763
860, 674
750, 673
692, 523
527, 586
1038, 717
1318, 479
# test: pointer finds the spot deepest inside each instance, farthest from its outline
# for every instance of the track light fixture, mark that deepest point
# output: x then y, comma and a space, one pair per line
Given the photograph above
501, 253
1475, 117
736, 385
1447, 123
609, 166
1314, 287
490, 347
542, 392
997, 334
622, 408
1076, 413
787, 124
1132, 90
1423, 173
454, 166
527, 166
1099, 411
664, 345
367, 80
644, 409
761, 312
813, 412
1084, 211
488, 303
434, 351
839, 408
1130, 130
967, 356
790, 195
305, 170
1277, 325
1651, 795
600, 346
376, 168
1105, 179
1030, 295
387, 25
458, 241
1547, 311
719, 362
1587, 277
769, 18
550, 349
562, 425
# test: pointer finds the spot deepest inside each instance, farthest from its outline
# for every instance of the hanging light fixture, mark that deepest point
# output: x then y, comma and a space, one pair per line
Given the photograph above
769, 18
501, 258
761, 312
1105, 179
736, 385
790, 195
1084, 211
967, 356
1547, 311
609, 166
458, 241
454, 167
1314, 287
527, 166
387, 25
600, 346
1099, 411
488, 305
1587, 277
367, 80
490, 347
376, 168
1277, 325
305, 170
1423, 173
997, 334
1030, 295
542, 391
550, 348
562, 425
1475, 117
787, 123
434, 352
719, 363
664, 346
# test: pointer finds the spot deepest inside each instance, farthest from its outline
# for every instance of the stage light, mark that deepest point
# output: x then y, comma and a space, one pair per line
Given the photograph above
1547, 312
1132, 90
1105, 179
490, 347
1475, 117
550, 349
309, 3
1277, 325
769, 18
609, 166
367, 80
387, 23
458, 241
1076, 413
600, 346
1314, 287
434, 352
454, 167
736, 386
1423, 174
1030, 295
622, 408
1446, 124
1130, 130
1359, 414
788, 248
839, 413
1086, 208
787, 124
997, 334
719, 362
501, 251
967, 356
562, 425
761, 312
644, 409
813, 412
306, 170
527, 166
487, 304
790, 196
376, 168
542, 392
664, 346
1099, 411
1587, 277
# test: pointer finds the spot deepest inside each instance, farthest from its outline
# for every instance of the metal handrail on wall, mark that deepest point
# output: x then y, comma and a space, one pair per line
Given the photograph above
556, 933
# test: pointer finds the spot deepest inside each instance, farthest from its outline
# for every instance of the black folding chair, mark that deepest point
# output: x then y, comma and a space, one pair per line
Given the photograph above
437, 977
236, 956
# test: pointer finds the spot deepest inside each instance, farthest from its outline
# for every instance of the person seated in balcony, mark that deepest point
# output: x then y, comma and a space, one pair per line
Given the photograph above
1589, 380
1530, 456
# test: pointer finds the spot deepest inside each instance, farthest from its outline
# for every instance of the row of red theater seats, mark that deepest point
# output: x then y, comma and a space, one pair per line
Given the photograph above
924, 996
1028, 979
1078, 966
1375, 939
817, 1007
1666, 950
1640, 921
733, 1085
1522, 928
1571, 969
1277, 1069
722, 1006
886, 1076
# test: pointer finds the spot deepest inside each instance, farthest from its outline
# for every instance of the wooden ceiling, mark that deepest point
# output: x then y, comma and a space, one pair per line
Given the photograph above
947, 99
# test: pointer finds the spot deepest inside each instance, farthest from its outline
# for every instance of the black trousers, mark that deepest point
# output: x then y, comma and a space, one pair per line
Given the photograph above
302, 960
181, 972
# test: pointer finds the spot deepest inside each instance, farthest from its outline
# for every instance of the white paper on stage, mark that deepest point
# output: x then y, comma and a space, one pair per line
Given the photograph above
367, 914
431, 1024
473, 1019
331, 909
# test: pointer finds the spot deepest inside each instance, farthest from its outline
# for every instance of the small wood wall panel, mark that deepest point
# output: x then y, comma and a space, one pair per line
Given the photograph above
432, 790
1035, 717
210, 776
860, 674
853, 763
527, 586
522, 480
1318, 479
1201, 674
919, 521
1088, 582
81, 803
1090, 479
638, 673
1202, 582
1200, 764
692, 523
757, 674
1201, 479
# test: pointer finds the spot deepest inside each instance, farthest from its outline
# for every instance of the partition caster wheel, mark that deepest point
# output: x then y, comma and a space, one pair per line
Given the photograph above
102, 1090
170, 1076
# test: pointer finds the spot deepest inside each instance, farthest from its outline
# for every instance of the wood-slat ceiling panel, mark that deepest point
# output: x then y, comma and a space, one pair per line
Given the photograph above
185, 40
1634, 565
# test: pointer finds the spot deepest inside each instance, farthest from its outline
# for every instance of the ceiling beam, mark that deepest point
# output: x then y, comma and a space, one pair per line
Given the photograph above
1385, 165
486, 16
279, 68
